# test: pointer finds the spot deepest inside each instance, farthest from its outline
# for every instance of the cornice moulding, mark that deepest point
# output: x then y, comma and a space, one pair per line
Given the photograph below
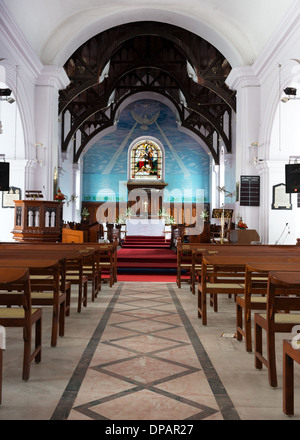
11, 33
274, 52
244, 76
53, 76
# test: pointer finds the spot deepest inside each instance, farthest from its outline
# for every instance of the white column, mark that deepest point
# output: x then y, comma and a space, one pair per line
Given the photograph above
49, 82
248, 121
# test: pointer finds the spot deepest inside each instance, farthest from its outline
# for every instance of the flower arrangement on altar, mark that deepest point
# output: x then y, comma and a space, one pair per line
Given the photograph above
205, 215
169, 219
59, 195
241, 224
85, 213
126, 214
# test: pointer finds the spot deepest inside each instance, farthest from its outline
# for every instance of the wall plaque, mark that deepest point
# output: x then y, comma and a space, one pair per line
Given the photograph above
281, 199
249, 191
9, 196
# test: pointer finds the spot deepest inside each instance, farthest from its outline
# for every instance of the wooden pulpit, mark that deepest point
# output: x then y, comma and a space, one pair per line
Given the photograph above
38, 220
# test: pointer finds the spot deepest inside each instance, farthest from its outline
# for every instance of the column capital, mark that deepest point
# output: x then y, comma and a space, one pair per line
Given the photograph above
242, 77
53, 76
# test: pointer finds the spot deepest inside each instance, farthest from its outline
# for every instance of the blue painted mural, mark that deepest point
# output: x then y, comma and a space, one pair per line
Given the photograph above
186, 162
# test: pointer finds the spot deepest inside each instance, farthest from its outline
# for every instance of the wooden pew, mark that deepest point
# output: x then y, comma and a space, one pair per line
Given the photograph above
195, 250
73, 258
228, 269
290, 354
45, 288
15, 293
1, 368
254, 298
278, 318
107, 252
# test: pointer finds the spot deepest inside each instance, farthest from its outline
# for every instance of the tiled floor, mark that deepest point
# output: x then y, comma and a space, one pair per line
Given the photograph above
139, 352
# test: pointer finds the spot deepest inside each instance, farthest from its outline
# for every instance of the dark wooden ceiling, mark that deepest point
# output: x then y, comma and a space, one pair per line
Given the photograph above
146, 57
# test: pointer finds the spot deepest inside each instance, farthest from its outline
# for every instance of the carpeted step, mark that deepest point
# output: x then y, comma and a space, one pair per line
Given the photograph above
144, 242
157, 264
144, 260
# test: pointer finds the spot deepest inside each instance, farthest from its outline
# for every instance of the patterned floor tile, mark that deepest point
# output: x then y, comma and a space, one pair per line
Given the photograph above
145, 362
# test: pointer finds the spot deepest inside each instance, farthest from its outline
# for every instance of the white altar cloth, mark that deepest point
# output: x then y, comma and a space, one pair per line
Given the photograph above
147, 227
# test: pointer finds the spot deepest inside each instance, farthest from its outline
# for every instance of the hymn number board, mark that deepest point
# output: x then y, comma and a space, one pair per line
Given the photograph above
250, 191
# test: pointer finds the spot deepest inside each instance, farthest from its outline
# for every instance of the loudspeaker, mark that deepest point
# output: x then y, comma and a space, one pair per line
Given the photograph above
292, 178
4, 176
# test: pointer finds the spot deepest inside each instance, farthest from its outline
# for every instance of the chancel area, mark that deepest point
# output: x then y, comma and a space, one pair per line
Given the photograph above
149, 212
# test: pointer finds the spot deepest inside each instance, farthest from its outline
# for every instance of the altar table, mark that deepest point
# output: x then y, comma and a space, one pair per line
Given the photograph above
145, 227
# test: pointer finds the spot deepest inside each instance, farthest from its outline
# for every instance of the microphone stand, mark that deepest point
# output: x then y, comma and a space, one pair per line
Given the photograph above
277, 241
288, 232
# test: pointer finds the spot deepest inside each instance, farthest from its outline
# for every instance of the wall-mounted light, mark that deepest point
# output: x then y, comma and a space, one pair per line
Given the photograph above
5, 96
291, 93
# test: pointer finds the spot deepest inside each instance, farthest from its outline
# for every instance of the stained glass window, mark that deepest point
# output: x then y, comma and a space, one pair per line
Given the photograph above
146, 161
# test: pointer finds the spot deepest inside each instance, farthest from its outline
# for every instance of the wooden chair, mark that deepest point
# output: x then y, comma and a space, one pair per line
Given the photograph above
219, 276
74, 275
92, 270
277, 318
48, 288
184, 261
15, 291
290, 354
254, 298
52, 290
196, 268
2, 348
107, 263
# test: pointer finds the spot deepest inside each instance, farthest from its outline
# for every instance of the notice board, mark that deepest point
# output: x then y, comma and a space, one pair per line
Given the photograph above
249, 190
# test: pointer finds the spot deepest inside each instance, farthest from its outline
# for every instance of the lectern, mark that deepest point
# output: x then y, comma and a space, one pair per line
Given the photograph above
38, 220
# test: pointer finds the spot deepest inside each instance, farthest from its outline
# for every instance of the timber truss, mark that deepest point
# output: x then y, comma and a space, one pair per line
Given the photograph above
146, 57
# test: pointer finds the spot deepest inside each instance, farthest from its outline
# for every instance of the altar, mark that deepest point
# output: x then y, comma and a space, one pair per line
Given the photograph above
145, 227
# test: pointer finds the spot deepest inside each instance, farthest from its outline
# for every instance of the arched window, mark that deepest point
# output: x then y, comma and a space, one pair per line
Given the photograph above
146, 161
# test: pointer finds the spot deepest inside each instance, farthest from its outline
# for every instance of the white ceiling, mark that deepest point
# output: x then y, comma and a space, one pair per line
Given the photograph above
240, 29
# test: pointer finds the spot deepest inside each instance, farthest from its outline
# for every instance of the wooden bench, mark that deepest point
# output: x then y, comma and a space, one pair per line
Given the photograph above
45, 289
184, 261
15, 295
107, 252
227, 267
73, 258
193, 255
290, 354
278, 318
2, 348
254, 298
211, 284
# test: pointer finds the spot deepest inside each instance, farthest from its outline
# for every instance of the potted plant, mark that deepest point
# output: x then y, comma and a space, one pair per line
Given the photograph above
85, 213
241, 224
205, 215
59, 196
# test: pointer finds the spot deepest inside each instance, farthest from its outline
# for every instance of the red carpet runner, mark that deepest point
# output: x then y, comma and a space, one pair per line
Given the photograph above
147, 259
148, 242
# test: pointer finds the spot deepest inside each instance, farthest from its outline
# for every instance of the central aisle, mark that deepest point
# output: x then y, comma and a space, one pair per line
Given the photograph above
145, 362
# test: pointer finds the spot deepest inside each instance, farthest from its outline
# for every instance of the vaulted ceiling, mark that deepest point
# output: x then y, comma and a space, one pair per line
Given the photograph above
147, 45
147, 57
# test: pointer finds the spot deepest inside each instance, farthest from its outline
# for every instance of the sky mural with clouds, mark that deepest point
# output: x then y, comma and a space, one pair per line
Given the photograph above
186, 162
